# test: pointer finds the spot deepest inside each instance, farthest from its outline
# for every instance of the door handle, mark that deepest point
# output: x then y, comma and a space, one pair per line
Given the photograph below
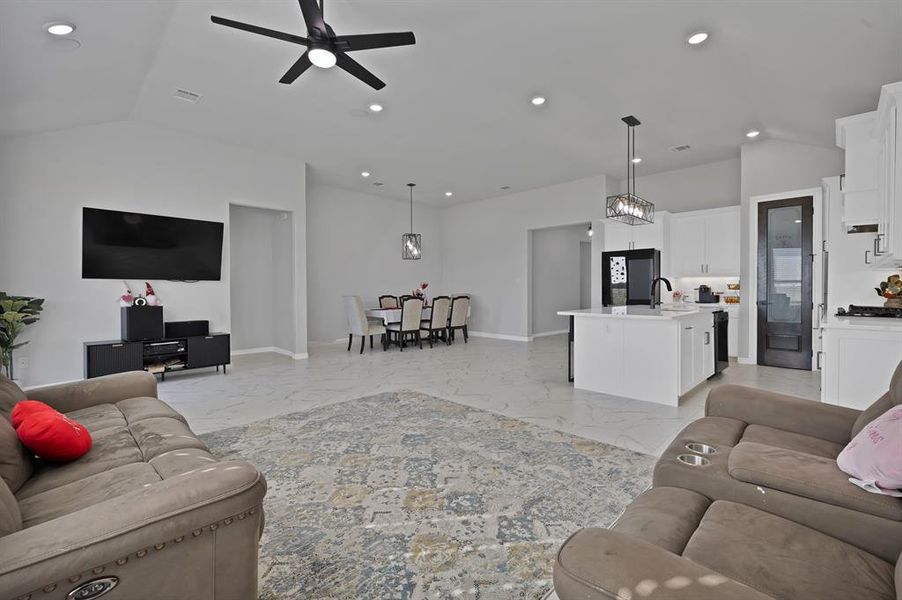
866, 261
688, 328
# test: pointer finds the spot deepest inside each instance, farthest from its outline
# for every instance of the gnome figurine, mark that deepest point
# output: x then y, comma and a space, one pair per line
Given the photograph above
150, 295
127, 298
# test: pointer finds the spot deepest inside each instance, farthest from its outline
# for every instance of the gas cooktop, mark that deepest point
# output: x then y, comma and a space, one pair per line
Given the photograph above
870, 311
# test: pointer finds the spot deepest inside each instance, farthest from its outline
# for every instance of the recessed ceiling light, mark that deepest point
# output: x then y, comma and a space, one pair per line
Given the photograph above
753, 133
697, 38
449, 194
538, 100
322, 58
365, 174
637, 160
59, 28
798, 221
375, 107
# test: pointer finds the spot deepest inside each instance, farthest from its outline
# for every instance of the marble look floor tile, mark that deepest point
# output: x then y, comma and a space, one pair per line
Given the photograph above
522, 380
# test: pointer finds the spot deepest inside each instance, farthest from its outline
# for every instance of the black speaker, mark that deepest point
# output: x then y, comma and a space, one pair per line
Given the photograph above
183, 329
141, 323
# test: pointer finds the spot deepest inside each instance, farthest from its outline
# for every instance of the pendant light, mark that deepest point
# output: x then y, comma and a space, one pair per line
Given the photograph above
411, 243
629, 208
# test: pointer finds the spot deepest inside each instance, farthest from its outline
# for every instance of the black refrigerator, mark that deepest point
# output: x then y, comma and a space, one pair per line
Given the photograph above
627, 275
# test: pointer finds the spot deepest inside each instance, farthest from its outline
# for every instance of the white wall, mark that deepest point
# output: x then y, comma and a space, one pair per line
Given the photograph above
46, 179
261, 278
486, 251
712, 185
771, 167
555, 275
354, 248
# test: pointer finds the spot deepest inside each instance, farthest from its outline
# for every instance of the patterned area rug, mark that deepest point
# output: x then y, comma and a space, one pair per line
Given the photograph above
408, 496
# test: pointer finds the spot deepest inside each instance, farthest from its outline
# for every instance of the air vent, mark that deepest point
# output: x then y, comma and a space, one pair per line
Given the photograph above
505, 187
378, 183
186, 95
680, 148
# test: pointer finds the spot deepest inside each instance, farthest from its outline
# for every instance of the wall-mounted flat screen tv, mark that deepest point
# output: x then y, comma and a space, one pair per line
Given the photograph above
127, 245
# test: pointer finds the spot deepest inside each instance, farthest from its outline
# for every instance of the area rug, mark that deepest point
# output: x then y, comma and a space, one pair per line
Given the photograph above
407, 496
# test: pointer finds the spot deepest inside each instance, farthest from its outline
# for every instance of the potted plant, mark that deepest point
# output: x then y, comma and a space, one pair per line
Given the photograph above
16, 313
891, 290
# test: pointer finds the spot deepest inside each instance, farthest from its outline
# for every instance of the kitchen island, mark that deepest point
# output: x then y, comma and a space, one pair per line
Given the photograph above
650, 354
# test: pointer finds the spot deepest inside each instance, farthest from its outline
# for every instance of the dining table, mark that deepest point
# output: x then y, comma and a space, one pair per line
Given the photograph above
393, 315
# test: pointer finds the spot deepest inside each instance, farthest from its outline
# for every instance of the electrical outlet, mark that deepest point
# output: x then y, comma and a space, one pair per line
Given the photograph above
22, 362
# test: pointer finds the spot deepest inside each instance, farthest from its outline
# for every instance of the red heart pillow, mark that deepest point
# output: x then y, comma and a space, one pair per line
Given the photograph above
49, 433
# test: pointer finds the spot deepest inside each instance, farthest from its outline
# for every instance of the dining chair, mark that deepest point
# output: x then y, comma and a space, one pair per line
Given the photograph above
411, 317
437, 323
388, 301
404, 297
359, 324
460, 308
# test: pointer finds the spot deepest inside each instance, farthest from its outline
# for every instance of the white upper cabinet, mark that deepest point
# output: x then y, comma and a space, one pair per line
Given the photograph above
618, 236
872, 185
705, 242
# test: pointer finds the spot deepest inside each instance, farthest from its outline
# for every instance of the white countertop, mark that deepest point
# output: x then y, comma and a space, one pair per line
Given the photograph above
639, 312
863, 323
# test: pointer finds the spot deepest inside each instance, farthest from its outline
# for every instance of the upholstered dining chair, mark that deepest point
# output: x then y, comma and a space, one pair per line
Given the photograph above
437, 324
388, 301
409, 327
460, 308
359, 324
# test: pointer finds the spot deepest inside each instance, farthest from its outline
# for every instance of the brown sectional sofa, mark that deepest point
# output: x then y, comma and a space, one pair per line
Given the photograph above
769, 515
148, 505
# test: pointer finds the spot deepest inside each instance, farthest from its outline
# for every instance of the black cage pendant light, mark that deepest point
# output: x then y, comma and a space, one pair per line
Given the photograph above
411, 243
629, 208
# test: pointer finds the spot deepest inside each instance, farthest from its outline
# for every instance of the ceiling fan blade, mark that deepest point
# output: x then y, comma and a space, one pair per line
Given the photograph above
279, 35
350, 43
301, 65
313, 16
357, 70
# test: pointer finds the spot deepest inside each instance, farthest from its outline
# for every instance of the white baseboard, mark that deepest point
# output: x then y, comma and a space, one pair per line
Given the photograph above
501, 336
301, 356
549, 333
745, 360
267, 349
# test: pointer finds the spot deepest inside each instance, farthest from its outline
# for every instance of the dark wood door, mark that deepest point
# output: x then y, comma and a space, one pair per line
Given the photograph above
784, 282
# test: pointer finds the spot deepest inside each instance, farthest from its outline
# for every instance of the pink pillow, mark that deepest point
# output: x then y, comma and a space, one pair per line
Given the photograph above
874, 457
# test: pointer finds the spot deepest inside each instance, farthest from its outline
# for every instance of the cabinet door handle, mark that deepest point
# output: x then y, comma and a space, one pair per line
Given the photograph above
116, 345
877, 250
866, 260
688, 328
820, 353
707, 338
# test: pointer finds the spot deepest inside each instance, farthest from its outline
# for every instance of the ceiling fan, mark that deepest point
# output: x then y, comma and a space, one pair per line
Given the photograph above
324, 48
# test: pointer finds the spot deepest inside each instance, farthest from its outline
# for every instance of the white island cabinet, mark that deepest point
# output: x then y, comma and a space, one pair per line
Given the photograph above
637, 352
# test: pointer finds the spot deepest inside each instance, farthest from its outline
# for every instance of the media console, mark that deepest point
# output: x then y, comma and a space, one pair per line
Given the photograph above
157, 356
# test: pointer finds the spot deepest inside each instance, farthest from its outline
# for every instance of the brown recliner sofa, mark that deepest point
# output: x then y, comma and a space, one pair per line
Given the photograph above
766, 515
778, 453
676, 544
148, 508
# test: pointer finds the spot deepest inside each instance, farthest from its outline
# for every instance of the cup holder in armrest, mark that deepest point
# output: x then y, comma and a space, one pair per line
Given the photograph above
701, 448
693, 460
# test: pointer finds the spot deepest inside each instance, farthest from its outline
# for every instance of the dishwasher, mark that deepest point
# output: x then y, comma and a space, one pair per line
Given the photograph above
721, 356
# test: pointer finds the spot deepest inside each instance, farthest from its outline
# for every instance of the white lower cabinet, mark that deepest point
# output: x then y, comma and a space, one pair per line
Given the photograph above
858, 363
696, 350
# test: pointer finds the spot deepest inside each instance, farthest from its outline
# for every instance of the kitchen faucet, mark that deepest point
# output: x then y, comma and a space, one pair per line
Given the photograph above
652, 303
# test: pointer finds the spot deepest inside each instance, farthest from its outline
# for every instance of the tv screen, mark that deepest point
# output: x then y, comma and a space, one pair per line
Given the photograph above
125, 245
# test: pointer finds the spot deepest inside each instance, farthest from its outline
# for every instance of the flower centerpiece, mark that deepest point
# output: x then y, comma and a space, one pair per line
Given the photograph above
16, 313
420, 293
891, 290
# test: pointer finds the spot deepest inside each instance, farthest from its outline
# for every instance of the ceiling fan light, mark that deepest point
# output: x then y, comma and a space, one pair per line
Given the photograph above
322, 58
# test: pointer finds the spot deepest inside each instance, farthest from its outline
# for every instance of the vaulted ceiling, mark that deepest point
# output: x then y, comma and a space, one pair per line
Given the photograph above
457, 114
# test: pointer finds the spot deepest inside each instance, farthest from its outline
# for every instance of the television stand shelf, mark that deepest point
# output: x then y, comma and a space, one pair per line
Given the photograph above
158, 356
